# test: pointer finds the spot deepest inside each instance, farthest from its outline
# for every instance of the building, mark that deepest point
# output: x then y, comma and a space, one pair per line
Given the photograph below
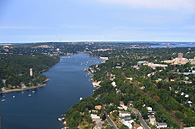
113, 84
98, 107
178, 61
152, 120
161, 125
31, 72
104, 58
94, 117
136, 126
122, 103
180, 55
124, 114
23, 86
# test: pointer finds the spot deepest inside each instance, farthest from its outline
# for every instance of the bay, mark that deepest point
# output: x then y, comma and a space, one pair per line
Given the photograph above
68, 82
180, 45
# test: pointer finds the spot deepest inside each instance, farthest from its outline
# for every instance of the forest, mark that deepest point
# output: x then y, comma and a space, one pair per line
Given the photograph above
15, 70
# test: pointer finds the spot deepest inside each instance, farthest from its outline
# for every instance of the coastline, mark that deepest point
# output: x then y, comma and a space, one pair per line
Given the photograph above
32, 87
94, 83
18, 90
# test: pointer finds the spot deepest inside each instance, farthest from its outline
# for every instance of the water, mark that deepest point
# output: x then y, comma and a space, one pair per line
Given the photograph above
181, 45
68, 82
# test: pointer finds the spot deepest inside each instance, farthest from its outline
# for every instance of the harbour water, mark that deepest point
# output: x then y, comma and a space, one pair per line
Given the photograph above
40, 108
181, 45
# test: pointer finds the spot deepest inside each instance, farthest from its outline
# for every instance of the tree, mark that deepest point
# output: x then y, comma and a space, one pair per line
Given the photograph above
144, 113
124, 127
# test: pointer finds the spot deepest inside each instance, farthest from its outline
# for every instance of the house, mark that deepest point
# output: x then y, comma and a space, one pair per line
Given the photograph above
96, 84
125, 107
94, 117
186, 96
124, 114
158, 80
128, 124
23, 86
136, 126
98, 107
122, 103
130, 78
149, 108
112, 77
113, 84
104, 58
161, 125
189, 102
152, 120
130, 103
150, 113
142, 88
3, 89
99, 124
93, 111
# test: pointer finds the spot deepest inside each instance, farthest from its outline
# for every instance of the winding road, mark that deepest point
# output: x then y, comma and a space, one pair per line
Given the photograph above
110, 121
136, 112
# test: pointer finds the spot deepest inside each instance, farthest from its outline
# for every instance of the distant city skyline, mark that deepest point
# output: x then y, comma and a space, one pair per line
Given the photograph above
96, 20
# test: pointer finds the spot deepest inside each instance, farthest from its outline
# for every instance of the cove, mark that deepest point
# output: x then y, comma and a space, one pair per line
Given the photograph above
68, 82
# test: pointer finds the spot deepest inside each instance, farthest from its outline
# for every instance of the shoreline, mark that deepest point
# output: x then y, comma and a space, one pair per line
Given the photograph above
18, 90
65, 126
32, 87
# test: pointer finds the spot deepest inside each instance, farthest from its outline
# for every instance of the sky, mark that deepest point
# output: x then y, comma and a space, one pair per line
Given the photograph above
96, 20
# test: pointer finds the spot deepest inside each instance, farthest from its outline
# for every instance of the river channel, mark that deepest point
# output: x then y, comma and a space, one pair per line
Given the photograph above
40, 108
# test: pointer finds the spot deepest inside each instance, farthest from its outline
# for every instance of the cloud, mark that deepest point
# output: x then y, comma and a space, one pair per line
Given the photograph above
139, 28
78, 27
155, 4
19, 27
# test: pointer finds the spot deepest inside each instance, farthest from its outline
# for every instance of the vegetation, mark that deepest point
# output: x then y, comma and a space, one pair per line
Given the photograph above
169, 106
169, 91
15, 69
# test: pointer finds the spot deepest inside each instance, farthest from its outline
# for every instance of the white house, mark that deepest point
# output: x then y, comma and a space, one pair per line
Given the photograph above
149, 108
113, 84
124, 114
152, 120
94, 117
161, 125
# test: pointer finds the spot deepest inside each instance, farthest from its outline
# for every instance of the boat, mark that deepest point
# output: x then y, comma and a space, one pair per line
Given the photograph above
60, 119
81, 98
3, 100
14, 96
29, 95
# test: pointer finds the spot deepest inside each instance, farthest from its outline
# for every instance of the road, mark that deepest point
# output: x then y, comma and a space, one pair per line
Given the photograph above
110, 121
136, 112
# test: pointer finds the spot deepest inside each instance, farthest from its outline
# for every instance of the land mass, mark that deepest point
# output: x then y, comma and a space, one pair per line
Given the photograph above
136, 83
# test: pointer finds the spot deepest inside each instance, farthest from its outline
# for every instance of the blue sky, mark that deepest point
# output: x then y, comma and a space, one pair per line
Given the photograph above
97, 20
